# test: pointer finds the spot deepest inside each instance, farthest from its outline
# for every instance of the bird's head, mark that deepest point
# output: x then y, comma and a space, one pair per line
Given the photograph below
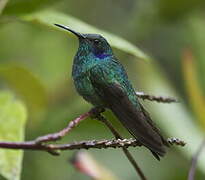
93, 43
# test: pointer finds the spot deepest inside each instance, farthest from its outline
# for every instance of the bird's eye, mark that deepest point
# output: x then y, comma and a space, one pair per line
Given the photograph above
96, 41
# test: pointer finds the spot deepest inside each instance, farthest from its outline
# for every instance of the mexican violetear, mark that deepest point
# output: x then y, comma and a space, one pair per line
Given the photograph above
102, 80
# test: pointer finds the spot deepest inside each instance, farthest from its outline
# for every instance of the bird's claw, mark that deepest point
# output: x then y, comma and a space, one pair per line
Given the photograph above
96, 111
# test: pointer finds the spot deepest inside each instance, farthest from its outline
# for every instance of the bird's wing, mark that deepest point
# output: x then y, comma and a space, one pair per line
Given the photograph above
136, 120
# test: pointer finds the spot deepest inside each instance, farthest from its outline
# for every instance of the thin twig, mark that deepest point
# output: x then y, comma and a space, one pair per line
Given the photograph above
125, 150
109, 125
194, 161
97, 144
176, 141
58, 135
159, 99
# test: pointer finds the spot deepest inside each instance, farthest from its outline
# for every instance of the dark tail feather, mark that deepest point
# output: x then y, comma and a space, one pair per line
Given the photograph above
155, 155
149, 120
136, 120
137, 125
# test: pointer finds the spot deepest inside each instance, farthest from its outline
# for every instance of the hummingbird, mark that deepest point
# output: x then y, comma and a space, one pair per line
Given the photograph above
102, 81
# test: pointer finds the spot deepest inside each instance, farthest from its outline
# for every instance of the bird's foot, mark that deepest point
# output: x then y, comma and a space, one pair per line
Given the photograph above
96, 111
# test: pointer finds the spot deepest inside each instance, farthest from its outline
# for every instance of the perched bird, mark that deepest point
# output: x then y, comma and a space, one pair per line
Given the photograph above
102, 80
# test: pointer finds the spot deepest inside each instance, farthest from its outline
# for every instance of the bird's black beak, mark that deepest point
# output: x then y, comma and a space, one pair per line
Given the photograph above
79, 35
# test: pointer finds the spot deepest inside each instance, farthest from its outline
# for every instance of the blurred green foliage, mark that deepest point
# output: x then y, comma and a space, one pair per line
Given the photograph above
174, 9
36, 62
18, 6
12, 118
10, 75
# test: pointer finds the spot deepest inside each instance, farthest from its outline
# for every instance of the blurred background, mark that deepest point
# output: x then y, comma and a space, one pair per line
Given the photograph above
36, 62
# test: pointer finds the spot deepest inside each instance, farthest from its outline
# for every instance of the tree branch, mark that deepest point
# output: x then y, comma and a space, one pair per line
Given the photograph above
40, 142
125, 150
58, 135
194, 161
95, 144
159, 99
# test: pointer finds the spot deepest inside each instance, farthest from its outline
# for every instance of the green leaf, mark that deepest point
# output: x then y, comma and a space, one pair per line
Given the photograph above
2, 5
48, 18
12, 124
29, 86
